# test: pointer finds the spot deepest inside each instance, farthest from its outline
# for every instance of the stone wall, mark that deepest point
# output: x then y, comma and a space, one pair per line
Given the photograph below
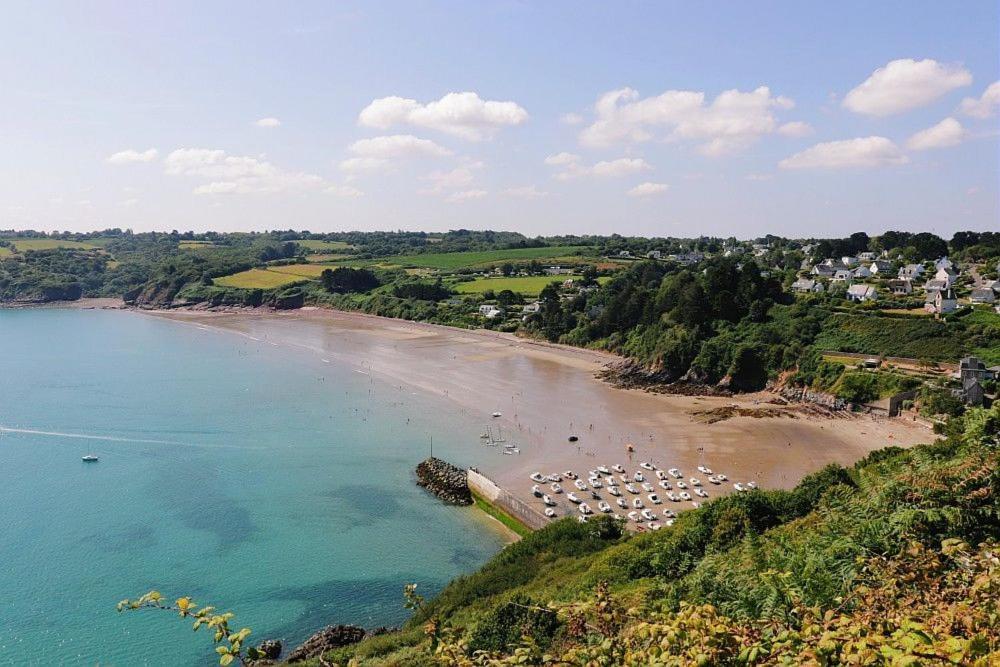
447, 482
517, 508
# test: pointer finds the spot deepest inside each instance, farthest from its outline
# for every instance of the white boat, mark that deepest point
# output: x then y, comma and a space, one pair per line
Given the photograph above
631, 489
721, 477
549, 512
652, 525
536, 491
572, 498
665, 485
653, 498
578, 483
624, 479
554, 477
675, 473
569, 474
604, 507
611, 481
661, 475
618, 468
603, 470
672, 497
646, 466
638, 477
695, 481
681, 484
497, 414
739, 487
701, 493
647, 487
634, 516
647, 515
555, 488
596, 482
669, 522
538, 477
613, 490
669, 514
714, 480
622, 503
637, 503
685, 495
548, 501
704, 470
585, 509
90, 458
752, 485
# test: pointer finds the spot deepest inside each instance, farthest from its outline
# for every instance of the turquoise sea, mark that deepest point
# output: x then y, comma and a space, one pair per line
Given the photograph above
252, 477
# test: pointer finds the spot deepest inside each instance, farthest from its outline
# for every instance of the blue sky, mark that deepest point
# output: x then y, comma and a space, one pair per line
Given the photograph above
717, 118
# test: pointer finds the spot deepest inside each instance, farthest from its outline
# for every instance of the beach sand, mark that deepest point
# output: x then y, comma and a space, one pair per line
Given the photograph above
548, 392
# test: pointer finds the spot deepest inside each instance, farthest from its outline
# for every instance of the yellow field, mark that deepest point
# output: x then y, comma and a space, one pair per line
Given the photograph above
5, 251
258, 279
301, 270
188, 245
22, 245
319, 246
324, 257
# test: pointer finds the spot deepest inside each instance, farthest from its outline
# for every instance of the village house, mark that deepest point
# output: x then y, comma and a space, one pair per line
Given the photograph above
848, 261
880, 267
935, 286
558, 270
861, 272
911, 271
972, 373
624, 253
489, 311
533, 307
867, 256
900, 287
861, 293
941, 301
823, 271
947, 274
805, 285
943, 263
654, 254
983, 295
842, 276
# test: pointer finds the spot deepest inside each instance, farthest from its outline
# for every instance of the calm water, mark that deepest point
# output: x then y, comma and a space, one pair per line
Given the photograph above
249, 476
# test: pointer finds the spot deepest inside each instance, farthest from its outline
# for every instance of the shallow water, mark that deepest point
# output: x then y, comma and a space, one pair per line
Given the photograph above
253, 477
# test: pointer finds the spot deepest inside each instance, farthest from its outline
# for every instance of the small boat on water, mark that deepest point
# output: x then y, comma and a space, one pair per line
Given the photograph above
603, 470
573, 438
572, 497
554, 477
672, 497
537, 492
548, 501
596, 482
549, 512
90, 458
497, 414
704, 470
537, 477
714, 480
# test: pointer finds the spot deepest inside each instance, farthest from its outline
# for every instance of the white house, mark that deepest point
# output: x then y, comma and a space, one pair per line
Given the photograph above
901, 287
861, 293
867, 256
848, 261
654, 254
947, 274
944, 302
861, 272
489, 311
842, 276
624, 253
823, 271
558, 270
532, 307
943, 263
880, 267
911, 271
805, 285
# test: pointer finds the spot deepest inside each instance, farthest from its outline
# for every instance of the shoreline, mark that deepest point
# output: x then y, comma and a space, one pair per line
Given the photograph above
547, 392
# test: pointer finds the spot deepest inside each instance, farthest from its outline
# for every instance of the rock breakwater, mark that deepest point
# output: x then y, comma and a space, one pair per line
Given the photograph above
447, 482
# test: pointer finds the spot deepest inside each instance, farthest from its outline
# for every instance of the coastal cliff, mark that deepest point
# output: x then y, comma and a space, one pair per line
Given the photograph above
447, 482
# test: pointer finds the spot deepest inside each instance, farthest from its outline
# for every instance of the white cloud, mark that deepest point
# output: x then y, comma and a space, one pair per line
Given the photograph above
346, 191
647, 189
463, 115
562, 159
948, 132
571, 167
235, 174
984, 107
796, 129
571, 119
128, 203
759, 177
466, 195
397, 146
442, 181
357, 165
525, 192
129, 156
905, 84
620, 167
268, 122
732, 121
860, 152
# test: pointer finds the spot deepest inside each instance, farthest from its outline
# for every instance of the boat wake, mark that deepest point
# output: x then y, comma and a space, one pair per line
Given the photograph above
112, 438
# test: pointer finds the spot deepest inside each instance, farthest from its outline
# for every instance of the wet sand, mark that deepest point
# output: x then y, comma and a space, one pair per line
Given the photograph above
548, 392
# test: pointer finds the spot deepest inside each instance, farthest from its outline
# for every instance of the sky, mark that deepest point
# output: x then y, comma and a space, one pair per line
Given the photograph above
801, 119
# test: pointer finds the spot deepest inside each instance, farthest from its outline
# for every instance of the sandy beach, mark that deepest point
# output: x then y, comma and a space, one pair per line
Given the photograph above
548, 392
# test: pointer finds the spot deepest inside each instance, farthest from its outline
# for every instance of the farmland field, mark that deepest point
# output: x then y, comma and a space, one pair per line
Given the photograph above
526, 285
458, 260
301, 270
5, 251
258, 278
323, 246
48, 244
326, 257
189, 245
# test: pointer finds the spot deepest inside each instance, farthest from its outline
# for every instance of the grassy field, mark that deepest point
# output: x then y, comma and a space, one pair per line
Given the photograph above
501, 516
323, 246
326, 257
526, 285
5, 251
23, 245
459, 260
301, 270
259, 279
189, 245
